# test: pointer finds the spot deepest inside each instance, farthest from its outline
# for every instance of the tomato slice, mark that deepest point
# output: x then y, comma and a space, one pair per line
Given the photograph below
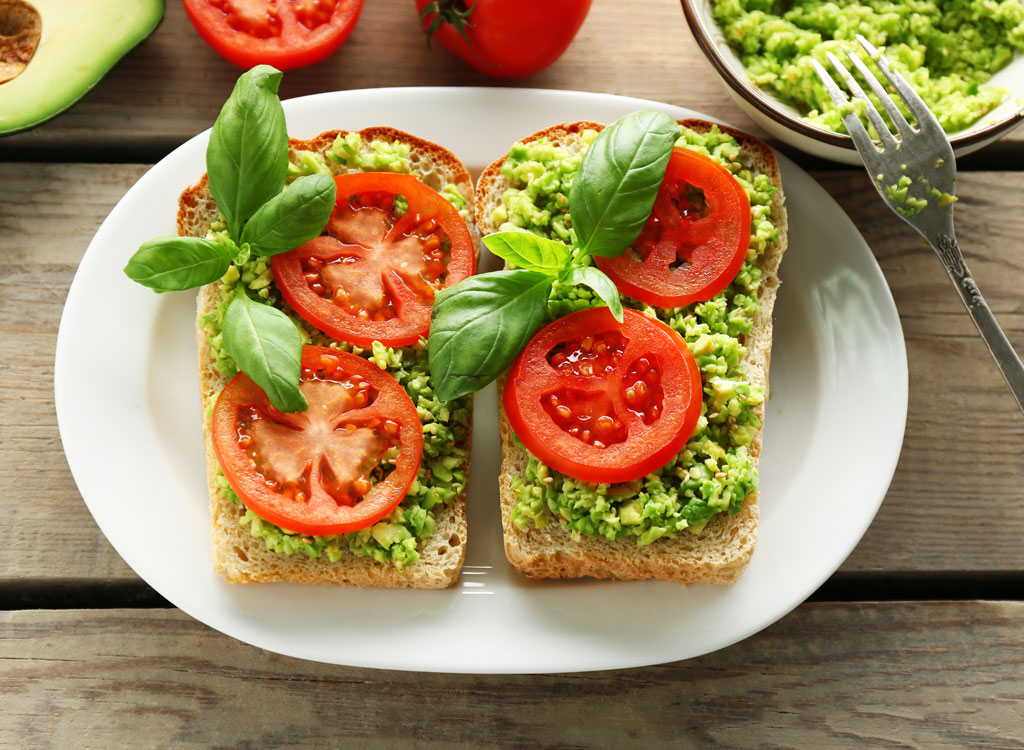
694, 241
603, 401
374, 275
326, 470
283, 33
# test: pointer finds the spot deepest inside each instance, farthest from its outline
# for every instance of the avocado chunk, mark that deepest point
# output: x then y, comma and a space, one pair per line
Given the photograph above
59, 49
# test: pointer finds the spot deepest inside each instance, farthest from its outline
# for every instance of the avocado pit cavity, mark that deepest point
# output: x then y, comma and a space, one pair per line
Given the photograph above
20, 30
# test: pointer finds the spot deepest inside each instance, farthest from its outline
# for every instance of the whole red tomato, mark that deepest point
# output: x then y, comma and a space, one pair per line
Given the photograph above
504, 38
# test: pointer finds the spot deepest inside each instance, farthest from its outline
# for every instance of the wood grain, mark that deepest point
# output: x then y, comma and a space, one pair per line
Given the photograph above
173, 85
925, 675
956, 501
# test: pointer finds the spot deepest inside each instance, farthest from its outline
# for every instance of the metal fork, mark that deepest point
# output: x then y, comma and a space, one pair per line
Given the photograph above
915, 173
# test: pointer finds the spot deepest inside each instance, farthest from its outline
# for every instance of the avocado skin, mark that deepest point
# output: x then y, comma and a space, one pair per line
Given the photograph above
80, 43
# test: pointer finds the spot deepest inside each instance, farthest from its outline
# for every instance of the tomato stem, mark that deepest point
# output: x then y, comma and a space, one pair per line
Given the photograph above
448, 11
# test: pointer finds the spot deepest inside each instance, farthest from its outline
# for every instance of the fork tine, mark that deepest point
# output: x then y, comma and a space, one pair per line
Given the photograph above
864, 143
876, 119
902, 126
923, 115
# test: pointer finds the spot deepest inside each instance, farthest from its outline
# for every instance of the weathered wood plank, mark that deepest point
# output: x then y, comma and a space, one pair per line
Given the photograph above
173, 85
925, 675
958, 491
956, 502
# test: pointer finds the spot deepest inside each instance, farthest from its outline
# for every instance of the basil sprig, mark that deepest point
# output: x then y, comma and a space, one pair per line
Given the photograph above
614, 190
292, 217
247, 163
169, 264
477, 322
481, 324
267, 347
247, 159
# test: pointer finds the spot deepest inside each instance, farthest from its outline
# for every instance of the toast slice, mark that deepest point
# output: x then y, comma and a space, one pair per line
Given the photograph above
720, 552
239, 555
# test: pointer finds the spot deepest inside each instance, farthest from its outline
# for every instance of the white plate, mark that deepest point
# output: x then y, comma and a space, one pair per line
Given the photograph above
126, 396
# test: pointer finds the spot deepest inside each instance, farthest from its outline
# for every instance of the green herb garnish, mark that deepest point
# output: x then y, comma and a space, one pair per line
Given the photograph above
246, 164
480, 325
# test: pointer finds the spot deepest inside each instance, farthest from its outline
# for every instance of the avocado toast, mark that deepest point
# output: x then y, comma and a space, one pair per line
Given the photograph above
422, 543
694, 520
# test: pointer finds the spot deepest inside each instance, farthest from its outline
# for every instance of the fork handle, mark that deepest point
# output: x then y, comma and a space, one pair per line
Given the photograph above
1007, 359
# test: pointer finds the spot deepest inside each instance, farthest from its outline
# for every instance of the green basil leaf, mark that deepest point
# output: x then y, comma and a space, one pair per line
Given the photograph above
247, 158
527, 250
267, 347
480, 325
603, 287
169, 264
291, 217
613, 192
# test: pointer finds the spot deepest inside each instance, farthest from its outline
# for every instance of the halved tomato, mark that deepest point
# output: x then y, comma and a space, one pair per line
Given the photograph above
604, 401
694, 241
341, 465
374, 275
286, 33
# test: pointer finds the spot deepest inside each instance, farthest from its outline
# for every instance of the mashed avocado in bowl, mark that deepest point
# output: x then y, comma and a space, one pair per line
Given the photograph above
964, 57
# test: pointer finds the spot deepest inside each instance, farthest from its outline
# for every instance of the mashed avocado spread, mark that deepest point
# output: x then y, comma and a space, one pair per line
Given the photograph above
714, 472
442, 472
946, 49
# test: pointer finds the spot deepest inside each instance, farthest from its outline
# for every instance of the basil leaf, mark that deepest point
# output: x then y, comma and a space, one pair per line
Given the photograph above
169, 264
613, 192
291, 217
247, 158
527, 250
480, 325
603, 287
267, 347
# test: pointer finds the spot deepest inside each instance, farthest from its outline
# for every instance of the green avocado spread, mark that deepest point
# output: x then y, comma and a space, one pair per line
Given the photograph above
946, 49
443, 469
715, 471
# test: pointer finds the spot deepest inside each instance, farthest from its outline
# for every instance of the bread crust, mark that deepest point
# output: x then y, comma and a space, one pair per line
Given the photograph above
721, 552
239, 556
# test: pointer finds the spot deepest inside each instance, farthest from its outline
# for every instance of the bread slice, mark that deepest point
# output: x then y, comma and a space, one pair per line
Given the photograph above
237, 554
720, 552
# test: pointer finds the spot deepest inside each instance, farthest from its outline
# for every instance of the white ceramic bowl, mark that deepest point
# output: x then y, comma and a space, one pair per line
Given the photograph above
785, 123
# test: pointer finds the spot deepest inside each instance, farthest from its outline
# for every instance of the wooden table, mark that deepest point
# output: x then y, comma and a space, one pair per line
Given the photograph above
917, 641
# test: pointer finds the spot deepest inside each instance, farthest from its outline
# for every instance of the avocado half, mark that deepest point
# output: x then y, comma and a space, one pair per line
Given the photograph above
78, 42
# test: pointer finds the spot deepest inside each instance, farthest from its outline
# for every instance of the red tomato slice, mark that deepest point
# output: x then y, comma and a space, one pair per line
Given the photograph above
286, 34
374, 276
695, 240
603, 401
321, 471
